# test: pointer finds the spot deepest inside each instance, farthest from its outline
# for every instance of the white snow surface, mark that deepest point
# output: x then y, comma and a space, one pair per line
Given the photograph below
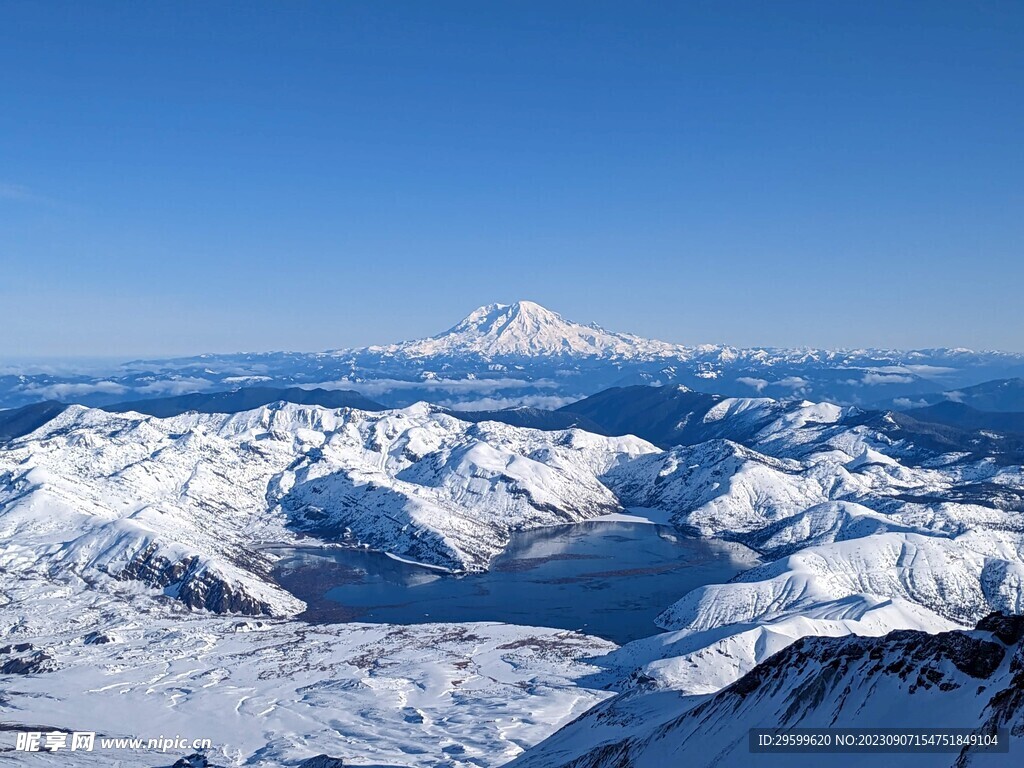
274, 692
101, 513
903, 680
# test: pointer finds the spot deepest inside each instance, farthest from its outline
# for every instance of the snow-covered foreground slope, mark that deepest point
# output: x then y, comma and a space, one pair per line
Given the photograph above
185, 504
906, 679
273, 692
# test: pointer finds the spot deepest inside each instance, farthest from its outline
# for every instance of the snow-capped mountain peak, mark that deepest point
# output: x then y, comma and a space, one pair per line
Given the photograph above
526, 329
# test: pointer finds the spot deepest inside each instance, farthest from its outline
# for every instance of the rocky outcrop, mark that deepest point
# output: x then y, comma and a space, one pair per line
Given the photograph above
322, 761
27, 662
845, 681
191, 582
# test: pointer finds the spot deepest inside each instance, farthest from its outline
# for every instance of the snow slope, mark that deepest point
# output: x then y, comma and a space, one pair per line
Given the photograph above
907, 679
273, 692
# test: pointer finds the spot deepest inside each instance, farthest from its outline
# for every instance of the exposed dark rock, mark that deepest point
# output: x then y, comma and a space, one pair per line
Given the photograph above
195, 760
816, 671
1006, 708
190, 582
99, 638
1009, 629
36, 663
19, 648
322, 761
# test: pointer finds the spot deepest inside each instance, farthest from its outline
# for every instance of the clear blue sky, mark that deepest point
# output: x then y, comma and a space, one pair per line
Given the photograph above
178, 177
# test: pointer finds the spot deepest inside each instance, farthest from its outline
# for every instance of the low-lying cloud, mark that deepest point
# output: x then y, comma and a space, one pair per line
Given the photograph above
547, 402
69, 391
377, 387
886, 378
176, 386
750, 381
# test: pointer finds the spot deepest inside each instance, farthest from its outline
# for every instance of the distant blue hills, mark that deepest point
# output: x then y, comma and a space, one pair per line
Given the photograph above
522, 354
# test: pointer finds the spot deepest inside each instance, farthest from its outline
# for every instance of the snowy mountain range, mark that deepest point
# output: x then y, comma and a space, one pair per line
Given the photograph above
185, 504
863, 524
142, 531
524, 354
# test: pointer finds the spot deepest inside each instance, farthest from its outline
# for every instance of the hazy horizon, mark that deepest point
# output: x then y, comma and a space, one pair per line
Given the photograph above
96, 364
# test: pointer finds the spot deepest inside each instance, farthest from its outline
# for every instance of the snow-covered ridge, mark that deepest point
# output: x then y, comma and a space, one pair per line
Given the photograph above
861, 530
186, 504
912, 679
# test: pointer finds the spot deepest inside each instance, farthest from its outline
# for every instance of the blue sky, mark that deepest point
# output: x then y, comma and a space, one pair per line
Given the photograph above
178, 177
